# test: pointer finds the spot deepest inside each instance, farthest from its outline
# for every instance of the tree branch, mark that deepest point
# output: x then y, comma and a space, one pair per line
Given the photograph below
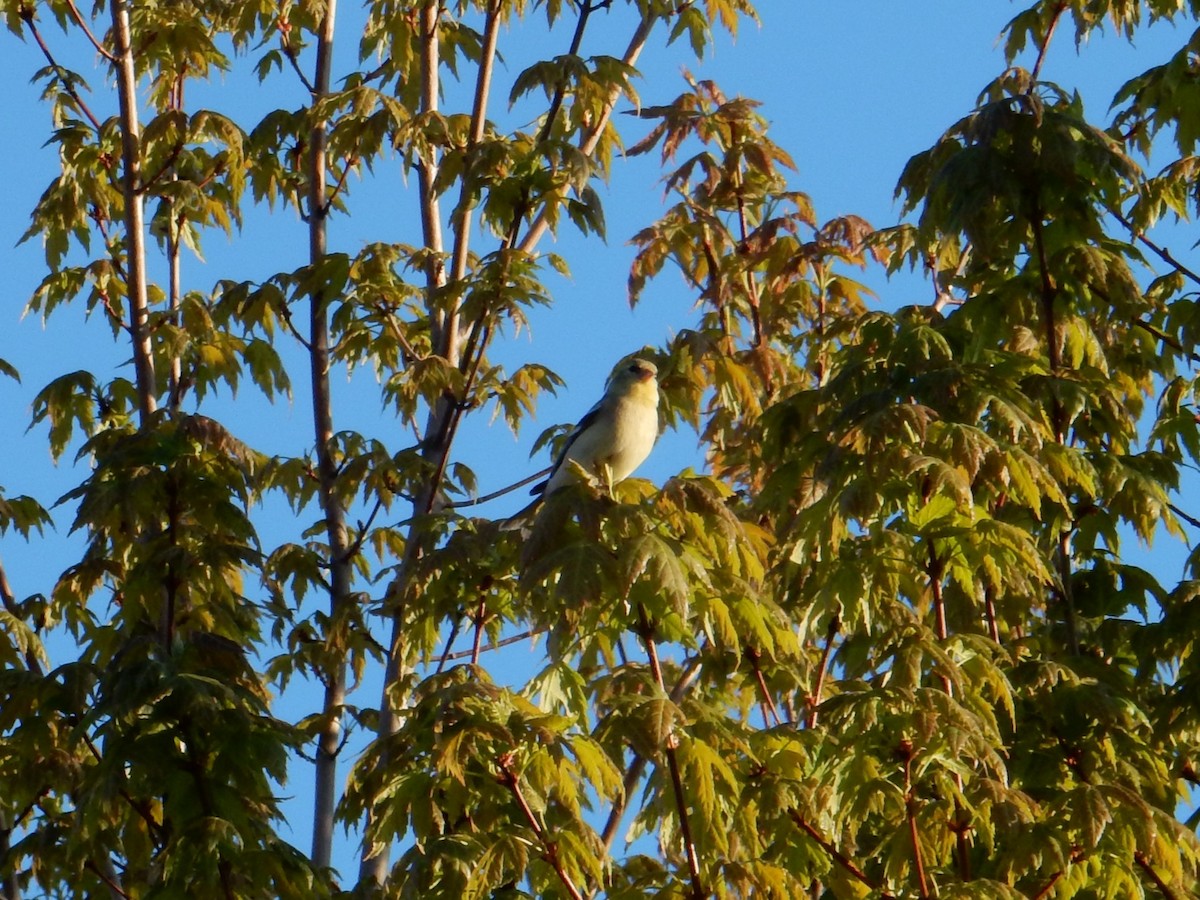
363, 527
537, 228
156, 829
494, 645
79, 20
1049, 885
637, 765
340, 575
480, 621
1055, 16
483, 85
175, 384
477, 501
769, 710
110, 882
289, 51
814, 699
837, 856
509, 779
27, 18
989, 612
910, 811
136, 282
1190, 519
438, 433
347, 164
148, 183
752, 295
1058, 414
1144, 864
672, 742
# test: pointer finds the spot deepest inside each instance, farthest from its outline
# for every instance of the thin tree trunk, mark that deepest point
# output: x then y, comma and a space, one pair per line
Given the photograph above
329, 739
135, 262
10, 888
175, 388
447, 335
373, 867
135, 232
540, 223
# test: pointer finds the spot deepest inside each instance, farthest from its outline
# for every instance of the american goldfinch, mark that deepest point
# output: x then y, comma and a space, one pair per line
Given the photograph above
617, 434
613, 438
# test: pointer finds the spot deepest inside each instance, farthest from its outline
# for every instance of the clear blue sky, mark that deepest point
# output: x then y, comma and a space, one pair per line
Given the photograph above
852, 89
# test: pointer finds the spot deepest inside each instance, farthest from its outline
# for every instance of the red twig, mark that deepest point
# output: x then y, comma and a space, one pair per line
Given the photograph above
769, 710
685, 828
905, 751
27, 17
989, 611
480, 618
835, 625
290, 52
1045, 45
79, 20
509, 779
105, 877
494, 645
347, 165
1144, 864
1049, 886
837, 856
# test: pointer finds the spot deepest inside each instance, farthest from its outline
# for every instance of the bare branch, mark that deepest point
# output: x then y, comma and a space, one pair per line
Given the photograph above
1190, 519
591, 139
483, 84
79, 20
493, 645
289, 51
476, 501
1055, 17
340, 574
27, 17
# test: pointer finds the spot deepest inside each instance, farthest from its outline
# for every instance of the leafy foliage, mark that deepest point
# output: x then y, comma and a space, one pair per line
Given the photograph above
888, 645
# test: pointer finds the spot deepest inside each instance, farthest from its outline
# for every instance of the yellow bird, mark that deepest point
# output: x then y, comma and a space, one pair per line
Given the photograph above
613, 438
617, 434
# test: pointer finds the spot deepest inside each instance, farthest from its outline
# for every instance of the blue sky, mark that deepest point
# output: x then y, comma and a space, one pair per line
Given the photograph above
852, 89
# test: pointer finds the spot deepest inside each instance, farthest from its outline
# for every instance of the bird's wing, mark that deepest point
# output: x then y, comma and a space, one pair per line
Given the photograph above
589, 419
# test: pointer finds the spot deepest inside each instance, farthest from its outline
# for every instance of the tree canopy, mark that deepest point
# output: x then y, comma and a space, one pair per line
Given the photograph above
889, 642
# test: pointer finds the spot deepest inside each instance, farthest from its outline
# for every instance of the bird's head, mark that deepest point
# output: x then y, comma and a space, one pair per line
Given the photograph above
636, 371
